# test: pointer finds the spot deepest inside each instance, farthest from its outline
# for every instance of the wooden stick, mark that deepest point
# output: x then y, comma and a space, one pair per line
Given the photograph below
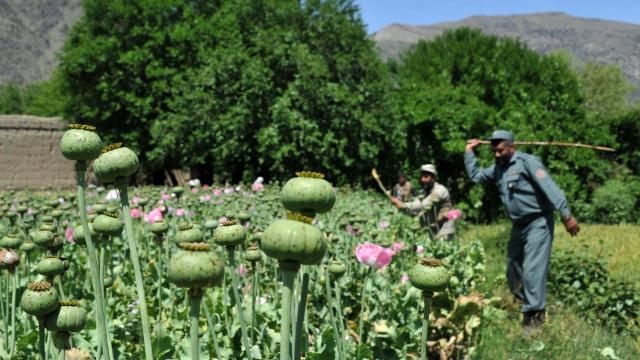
555, 143
375, 175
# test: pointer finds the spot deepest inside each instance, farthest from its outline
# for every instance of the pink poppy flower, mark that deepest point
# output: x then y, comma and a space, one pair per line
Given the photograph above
136, 213
135, 200
228, 190
383, 224
166, 197
205, 198
454, 214
68, 234
374, 256
217, 192
154, 215
194, 190
397, 246
242, 271
419, 249
404, 278
180, 212
222, 219
257, 186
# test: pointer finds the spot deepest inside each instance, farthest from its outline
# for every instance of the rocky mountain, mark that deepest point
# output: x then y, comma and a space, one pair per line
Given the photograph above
607, 42
31, 32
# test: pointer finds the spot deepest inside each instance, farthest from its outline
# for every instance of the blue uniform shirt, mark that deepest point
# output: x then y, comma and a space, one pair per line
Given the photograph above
526, 189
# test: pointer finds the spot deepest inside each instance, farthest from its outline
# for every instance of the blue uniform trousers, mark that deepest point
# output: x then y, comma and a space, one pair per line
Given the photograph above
528, 256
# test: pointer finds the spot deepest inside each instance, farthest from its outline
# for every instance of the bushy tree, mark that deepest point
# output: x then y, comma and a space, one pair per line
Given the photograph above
464, 84
244, 88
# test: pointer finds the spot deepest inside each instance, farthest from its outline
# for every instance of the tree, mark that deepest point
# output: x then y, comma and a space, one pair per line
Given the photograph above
606, 91
241, 87
464, 84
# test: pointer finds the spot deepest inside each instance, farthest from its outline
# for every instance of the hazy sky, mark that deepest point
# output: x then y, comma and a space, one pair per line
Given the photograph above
380, 13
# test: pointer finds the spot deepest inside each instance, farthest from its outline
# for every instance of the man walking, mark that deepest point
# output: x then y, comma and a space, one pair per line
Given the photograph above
529, 196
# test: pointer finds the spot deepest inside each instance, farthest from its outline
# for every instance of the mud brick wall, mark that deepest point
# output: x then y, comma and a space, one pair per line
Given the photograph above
30, 156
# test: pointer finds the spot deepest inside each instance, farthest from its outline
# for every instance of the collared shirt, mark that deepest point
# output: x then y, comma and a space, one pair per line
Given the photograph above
526, 189
439, 195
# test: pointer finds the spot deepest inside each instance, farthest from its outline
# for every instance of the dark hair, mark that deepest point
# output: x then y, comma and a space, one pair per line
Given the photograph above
496, 142
401, 174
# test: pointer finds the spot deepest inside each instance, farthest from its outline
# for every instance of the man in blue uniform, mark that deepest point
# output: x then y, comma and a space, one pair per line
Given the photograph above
529, 196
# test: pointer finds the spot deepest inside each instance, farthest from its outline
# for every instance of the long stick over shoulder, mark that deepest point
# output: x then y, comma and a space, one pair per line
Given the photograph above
375, 175
555, 143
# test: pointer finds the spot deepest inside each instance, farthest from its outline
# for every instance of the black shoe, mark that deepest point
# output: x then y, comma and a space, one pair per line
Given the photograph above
532, 321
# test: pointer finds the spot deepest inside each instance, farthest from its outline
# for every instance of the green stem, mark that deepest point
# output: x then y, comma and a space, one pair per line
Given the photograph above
195, 296
121, 183
103, 248
81, 169
288, 277
254, 287
363, 303
159, 293
41, 351
236, 295
337, 334
339, 312
212, 331
12, 345
425, 326
302, 305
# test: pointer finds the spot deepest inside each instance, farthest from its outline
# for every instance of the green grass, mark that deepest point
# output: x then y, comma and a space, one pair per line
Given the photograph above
565, 335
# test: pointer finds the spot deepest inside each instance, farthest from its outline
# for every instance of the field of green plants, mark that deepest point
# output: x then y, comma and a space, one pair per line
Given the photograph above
366, 313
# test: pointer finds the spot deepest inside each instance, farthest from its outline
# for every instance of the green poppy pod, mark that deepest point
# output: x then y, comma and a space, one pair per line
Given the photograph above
57, 213
27, 246
99, 208
337, 268
66, 206
49, 226
195, 267
21, 209
295, 241
78, 234
143, 201
69, 317
50, 266
12, 215
112, 208
80, 143
211, 224
308, 194
253, 253
46, 218
243, 216
108, 282
54, 203
188, 234
256, 236
159, 227
115, 162
108, 224
42, 237
11, 241
429, 275
229, 234
39, 299
3, 227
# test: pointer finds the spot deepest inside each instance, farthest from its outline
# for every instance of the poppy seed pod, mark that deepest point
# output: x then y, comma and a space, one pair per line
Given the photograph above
115, 162
50, 266
429, 275
253, 253
308, 194
188, 234
69, 317
337, 268
195, 267
294, 240
159, 227
27, 246
80, 143
39, 299
108, 224
9, 259
230, 234
78, 234
11, 241
42, 238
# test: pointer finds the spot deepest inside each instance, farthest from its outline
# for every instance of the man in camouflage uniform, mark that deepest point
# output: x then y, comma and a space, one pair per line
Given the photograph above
403, 190
433, 203
530, 197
